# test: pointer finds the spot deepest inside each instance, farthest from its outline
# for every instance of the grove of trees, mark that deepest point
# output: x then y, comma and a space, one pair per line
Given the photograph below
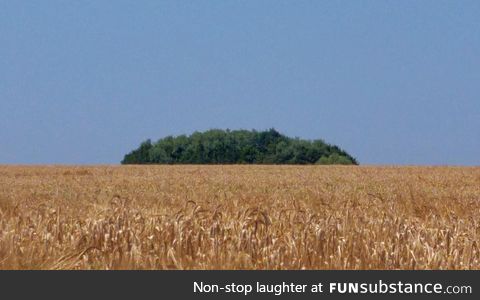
237, 147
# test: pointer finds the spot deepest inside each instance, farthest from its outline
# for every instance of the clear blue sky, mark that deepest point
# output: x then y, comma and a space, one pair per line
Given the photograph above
392, 82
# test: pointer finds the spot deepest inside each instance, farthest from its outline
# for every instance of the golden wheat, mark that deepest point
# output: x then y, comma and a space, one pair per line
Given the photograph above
239, 217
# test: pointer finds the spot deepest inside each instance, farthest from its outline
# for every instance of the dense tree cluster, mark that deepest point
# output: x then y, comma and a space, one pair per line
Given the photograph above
237, 147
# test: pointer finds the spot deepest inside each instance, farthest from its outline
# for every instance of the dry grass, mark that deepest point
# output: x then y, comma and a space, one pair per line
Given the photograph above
239, 217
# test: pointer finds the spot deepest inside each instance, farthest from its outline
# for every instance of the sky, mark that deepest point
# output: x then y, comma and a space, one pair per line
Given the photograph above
391, 82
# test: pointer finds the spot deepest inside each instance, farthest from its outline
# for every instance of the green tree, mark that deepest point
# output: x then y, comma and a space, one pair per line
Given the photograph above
140, 155
238, 146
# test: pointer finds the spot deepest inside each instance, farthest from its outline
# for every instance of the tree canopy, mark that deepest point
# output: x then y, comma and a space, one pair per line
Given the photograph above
237, 147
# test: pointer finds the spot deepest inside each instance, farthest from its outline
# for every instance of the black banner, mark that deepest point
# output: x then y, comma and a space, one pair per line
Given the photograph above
241, 284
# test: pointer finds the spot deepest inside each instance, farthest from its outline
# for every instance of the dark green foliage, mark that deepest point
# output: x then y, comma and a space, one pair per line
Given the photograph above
237, 147
140, 155
334, 159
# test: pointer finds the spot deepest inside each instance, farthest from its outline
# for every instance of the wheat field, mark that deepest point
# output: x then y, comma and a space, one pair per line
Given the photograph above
239, 217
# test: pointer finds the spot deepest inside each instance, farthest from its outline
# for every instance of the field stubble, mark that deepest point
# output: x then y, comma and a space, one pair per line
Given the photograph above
239, 217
